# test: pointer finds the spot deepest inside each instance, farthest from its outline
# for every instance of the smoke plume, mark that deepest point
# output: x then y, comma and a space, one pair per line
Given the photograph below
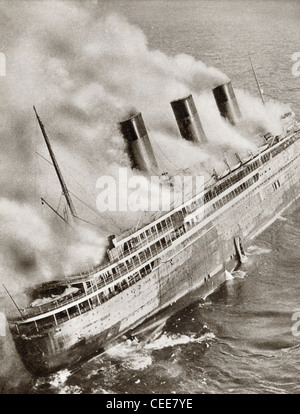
85, 72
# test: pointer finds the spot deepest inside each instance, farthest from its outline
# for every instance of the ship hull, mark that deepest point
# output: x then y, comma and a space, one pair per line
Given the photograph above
196, 262
41, 359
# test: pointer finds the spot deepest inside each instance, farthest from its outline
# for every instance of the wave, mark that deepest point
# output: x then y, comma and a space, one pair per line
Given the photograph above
131, 353
281, 218
228, 275
57, 383
136, 355
239, 274
205, 304
257, 250
166, 340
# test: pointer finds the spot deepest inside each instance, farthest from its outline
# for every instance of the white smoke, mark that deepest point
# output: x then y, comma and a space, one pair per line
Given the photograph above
33, 250
85, 72
265, 117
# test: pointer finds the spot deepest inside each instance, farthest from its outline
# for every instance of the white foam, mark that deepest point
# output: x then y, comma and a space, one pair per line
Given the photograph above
70, 389
228, 275
256, 250
56, 380
239, 274
59, 378
132, 355
282, 218
166, 340
100, 391
204, 304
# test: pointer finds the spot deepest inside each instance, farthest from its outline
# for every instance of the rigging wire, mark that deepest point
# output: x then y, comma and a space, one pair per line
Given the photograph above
44, 158
105, 218
155, 142
61, 195
96, 212
86, 221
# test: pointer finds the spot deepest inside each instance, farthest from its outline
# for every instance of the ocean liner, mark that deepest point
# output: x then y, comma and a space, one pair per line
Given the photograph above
185, 249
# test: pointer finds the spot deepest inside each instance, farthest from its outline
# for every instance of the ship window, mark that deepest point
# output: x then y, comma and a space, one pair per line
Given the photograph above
154, 230
73, 311
124, 284
142, 256
159, 226
62, 316
84, 306
46, 322
134, 241
122, 268
136, 277
148, 232
130, 280
143, 272
153, 248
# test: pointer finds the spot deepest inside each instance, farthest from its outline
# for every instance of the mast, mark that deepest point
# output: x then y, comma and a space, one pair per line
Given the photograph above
13, 301
257, 82
63, 185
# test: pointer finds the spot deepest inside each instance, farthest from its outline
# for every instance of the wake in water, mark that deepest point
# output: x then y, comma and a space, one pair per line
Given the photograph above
239, 274
135, 355
103, 372
56, 383
281, 218
166, 340
257, 250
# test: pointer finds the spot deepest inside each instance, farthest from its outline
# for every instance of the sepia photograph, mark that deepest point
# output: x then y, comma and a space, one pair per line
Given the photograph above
150, 199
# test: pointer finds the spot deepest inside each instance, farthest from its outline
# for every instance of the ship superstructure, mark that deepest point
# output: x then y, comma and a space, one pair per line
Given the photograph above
190, 247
